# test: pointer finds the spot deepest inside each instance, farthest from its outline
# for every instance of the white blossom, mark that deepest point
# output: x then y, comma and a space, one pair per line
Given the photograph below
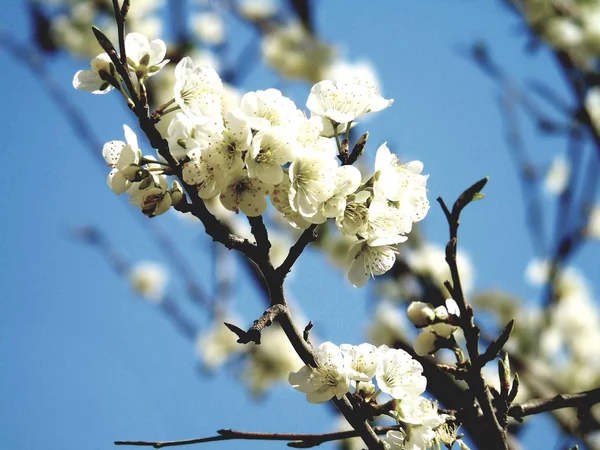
402, 183
398, 374
295, 52
592, 230
203, 172
145, 58
270, 150
411, 438
198, 90
344, 101
430, 259
358, 72
417, 410
310, 137
90, 80
311, 183
280, 198
226, 142
120, 155
271, 361
151, 195
270, 108
371, 257
347, 181
149, 279
182, 136
257, 10
562, 33
384, 219
329, 379
215, 345
355, 216
364, 359
557, 177
209, 27
244, 193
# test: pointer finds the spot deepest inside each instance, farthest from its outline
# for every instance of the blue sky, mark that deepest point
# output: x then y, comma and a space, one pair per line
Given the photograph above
83, 362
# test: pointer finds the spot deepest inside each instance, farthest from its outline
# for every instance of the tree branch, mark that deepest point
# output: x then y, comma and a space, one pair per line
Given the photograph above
582, 400
297, 440
309, 235
474, 378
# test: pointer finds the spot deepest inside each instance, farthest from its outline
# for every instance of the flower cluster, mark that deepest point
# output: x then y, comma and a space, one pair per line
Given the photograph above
436, 324
347, 367
262, 147
566, 332
70, 22
295, 52
144, 59
140, 176
397, 374
569, 26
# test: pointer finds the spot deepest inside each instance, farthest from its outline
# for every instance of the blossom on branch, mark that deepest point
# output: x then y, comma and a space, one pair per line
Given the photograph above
197, 90
91, 80
144, 57
329, 379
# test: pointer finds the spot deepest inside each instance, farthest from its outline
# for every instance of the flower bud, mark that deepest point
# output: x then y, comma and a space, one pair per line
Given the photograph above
366, 387
421, 314
452, 307
443, 330
441, 313
176, 193
425, 343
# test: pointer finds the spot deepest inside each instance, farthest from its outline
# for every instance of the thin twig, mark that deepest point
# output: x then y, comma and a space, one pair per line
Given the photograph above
297, 440
582, 400
474, 378
264, 321
98, 240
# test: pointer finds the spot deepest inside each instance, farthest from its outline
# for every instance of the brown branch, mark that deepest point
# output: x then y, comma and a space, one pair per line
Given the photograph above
495, 347
306, 352
309, 235
297, 440
264, 321
120, 19
215, 229
582, 400
474, 377
358, 149
263, 245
